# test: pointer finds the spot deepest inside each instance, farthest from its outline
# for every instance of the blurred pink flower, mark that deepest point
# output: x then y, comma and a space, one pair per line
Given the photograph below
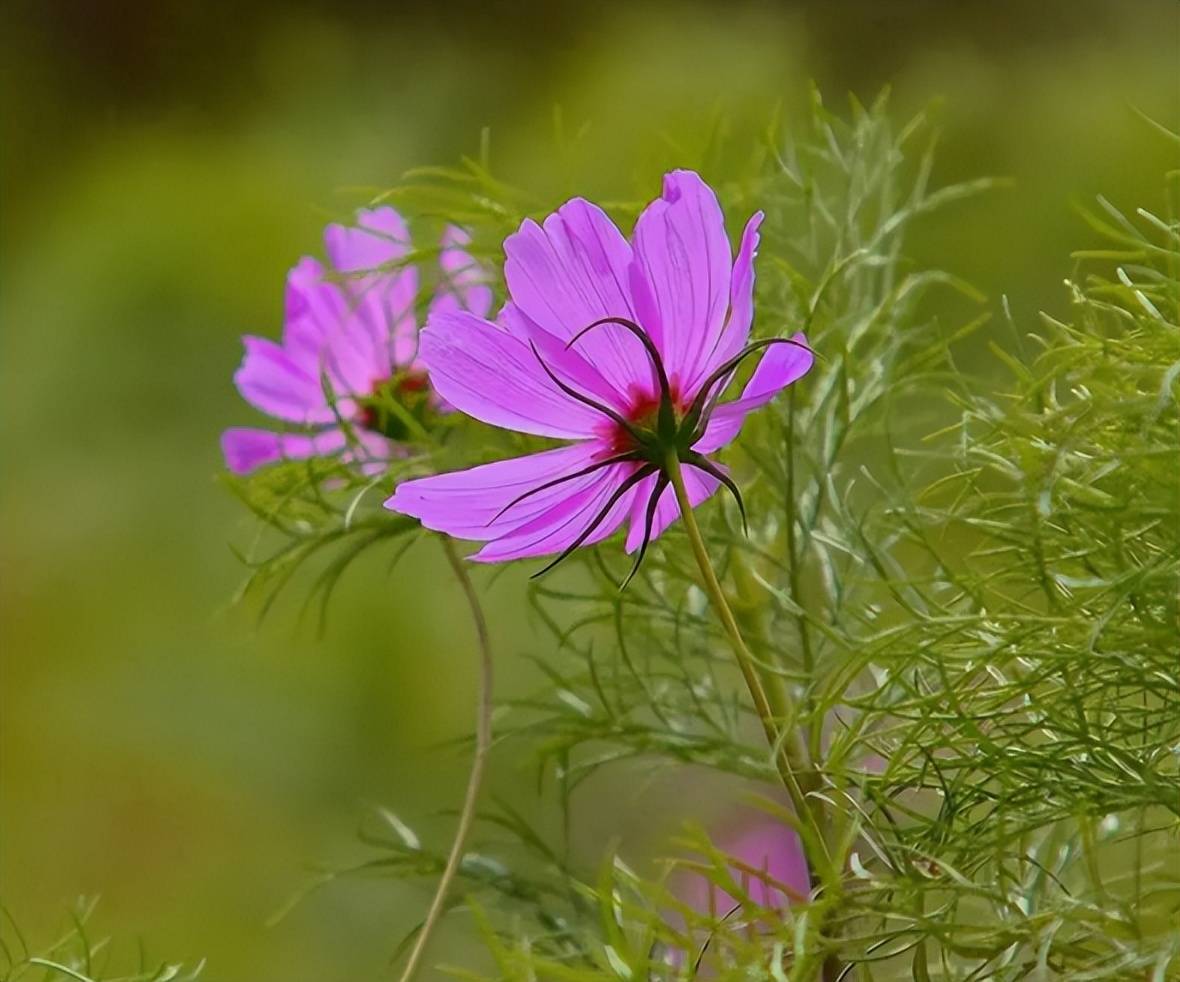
771, 870
764, 862
621, 346
349, 329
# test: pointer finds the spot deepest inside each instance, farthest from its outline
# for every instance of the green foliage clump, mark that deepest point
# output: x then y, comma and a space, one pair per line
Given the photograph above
79, 956
961, 577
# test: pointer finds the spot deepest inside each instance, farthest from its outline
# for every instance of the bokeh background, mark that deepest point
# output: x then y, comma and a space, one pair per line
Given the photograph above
163, 165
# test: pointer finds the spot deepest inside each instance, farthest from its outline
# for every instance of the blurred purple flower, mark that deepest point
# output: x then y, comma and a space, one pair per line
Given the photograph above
671, 312
770, 868
765, 863
350, 340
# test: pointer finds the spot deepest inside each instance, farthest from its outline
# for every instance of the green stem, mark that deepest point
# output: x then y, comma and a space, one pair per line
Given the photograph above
794, 560
788, 749
483, 742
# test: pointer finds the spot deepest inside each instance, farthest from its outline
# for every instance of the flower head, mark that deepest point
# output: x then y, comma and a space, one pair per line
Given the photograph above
763, 872
769, 867
622, 347
348, 358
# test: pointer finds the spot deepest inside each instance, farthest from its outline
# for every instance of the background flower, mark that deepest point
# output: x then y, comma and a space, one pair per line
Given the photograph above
350, 337
761, 844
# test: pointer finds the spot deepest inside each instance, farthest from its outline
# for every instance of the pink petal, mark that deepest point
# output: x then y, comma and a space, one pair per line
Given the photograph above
470, 504
464, 284
313, 309
384, 307
371, 452
271, 380
327, 329
382, 300
762, 843
247, 449
780, 365
682, 252
567, 363
697, 483
741, 301
572, 272
379, 237
492, 374
559, 526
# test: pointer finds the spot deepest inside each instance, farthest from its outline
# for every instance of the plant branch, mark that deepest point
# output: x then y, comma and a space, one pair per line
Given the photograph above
483, 741
789, 753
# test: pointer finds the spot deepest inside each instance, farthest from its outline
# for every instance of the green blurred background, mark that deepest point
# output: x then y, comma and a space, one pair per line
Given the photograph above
164, 164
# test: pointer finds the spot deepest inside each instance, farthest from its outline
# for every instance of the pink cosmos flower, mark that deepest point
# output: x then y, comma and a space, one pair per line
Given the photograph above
349, 345
623, 347
769, 873
771, 869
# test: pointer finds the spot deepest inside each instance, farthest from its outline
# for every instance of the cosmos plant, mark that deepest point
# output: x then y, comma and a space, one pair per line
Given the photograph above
913, 673
347, 370
623, 347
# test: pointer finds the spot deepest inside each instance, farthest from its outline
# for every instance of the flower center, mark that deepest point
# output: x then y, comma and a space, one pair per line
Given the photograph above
643, 415
395, 402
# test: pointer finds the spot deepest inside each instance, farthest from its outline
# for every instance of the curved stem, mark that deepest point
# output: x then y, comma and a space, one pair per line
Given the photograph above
787, 748
483, 742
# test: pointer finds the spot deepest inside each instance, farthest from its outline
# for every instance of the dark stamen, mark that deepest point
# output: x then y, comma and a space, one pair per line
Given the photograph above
649, 448
648, 345
652, 503
587, 401
694, 414
621, 490
617, 459
703, 463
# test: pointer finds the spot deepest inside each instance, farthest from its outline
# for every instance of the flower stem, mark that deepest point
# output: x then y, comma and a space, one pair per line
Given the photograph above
483, 741
789, 753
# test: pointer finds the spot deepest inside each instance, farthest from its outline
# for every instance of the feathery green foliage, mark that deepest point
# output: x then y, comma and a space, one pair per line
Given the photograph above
79, 956
967, 578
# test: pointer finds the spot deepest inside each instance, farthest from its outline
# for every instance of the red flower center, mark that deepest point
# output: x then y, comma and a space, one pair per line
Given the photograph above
641, 414
407, 388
